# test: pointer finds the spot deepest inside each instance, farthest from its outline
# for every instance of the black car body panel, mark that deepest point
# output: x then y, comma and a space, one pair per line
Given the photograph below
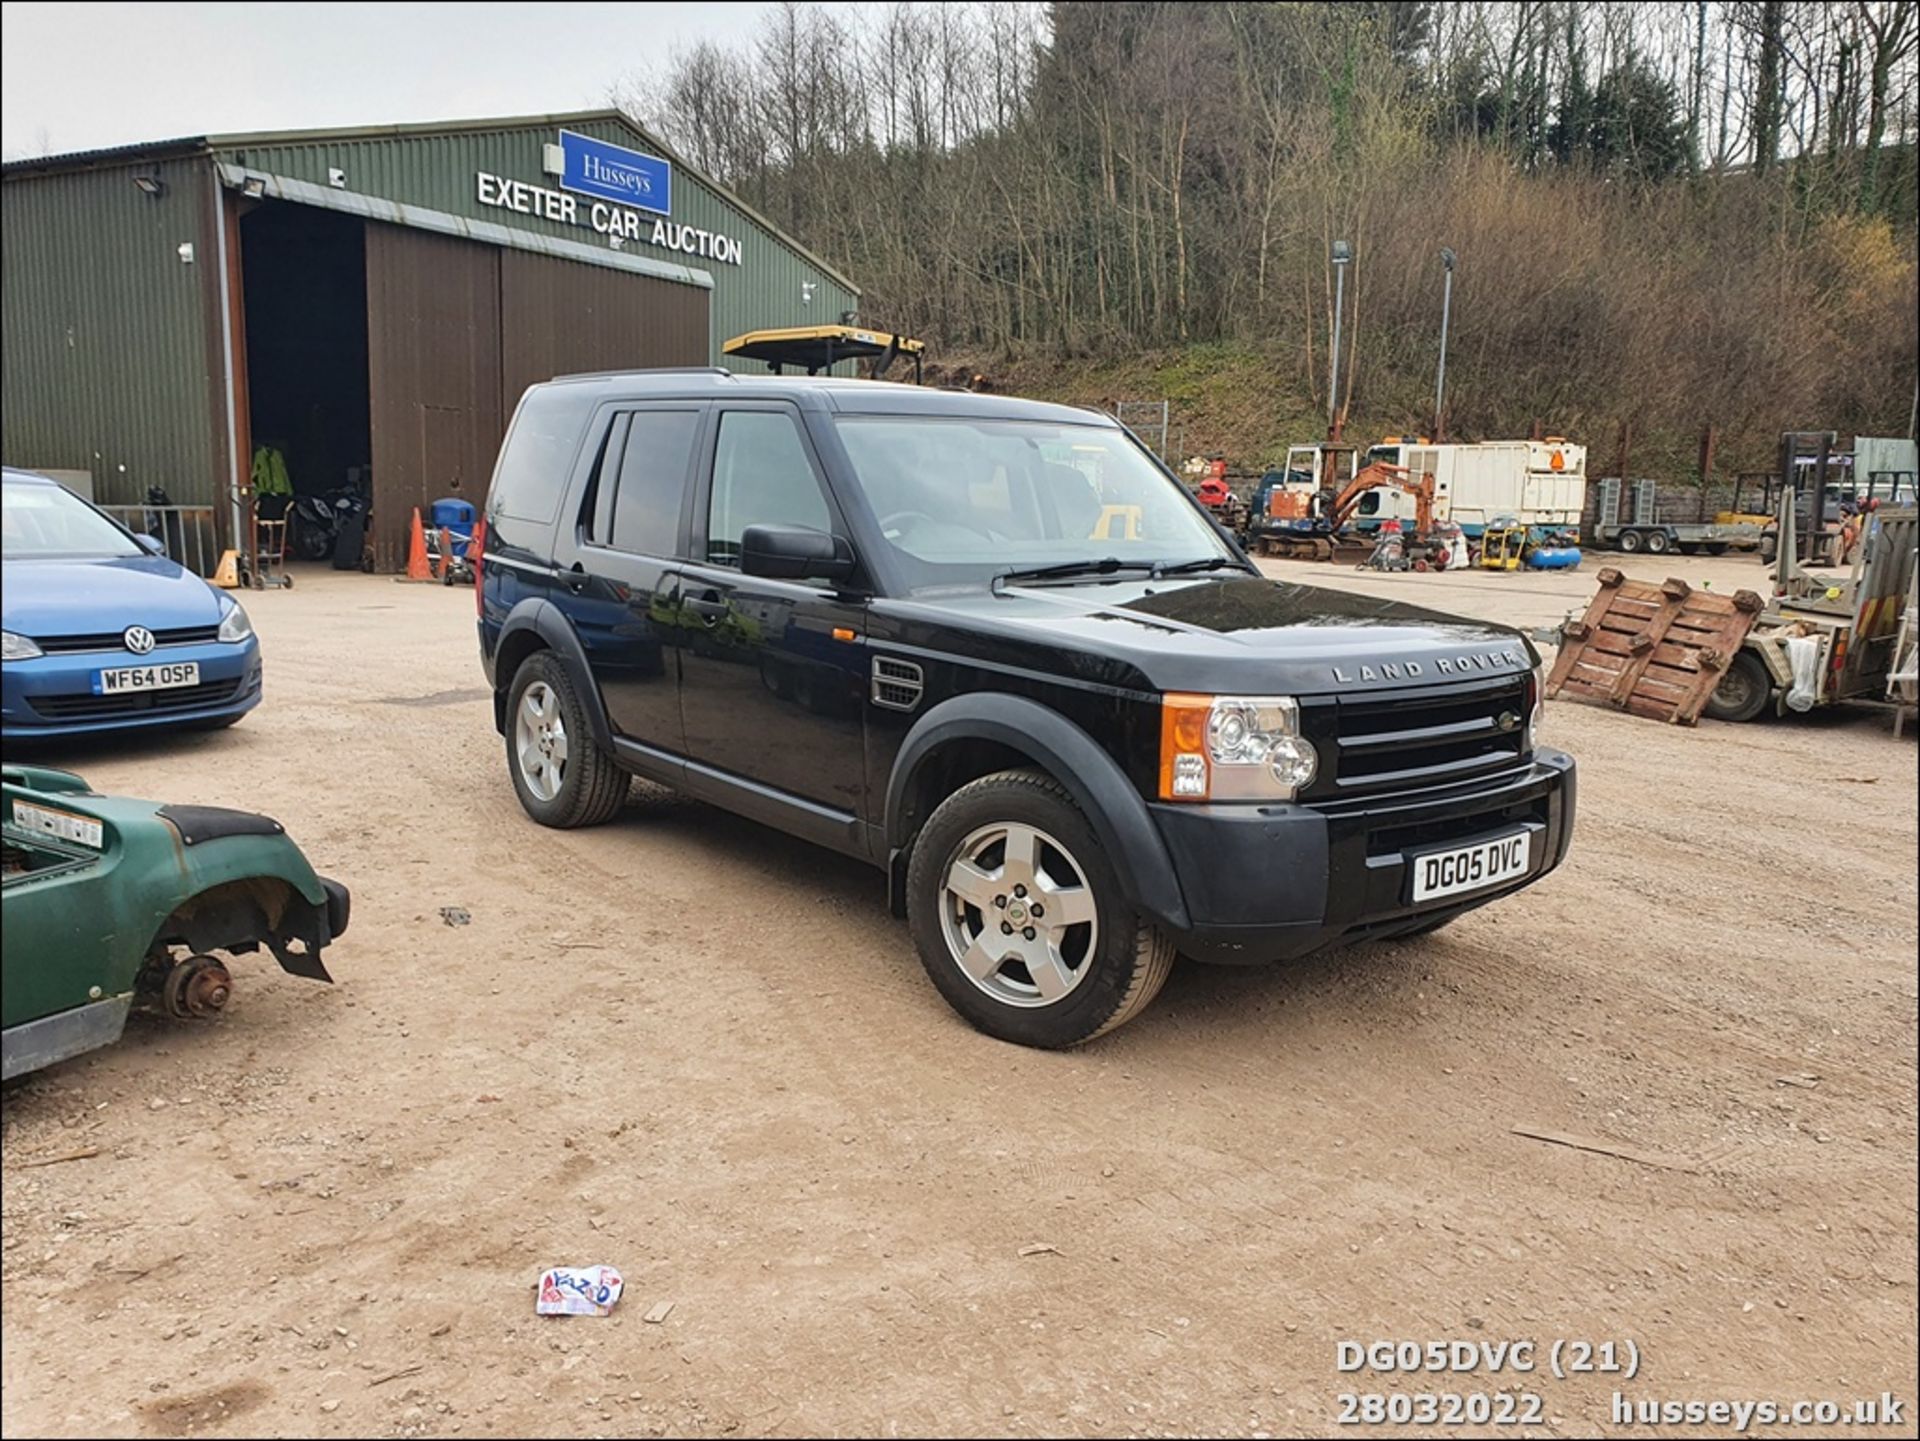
844, 712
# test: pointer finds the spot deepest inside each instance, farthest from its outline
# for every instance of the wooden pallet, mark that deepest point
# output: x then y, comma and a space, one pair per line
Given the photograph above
1652, 650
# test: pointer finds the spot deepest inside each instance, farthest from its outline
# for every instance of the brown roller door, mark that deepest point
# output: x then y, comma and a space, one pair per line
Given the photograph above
433, 369
558, 316
456, 330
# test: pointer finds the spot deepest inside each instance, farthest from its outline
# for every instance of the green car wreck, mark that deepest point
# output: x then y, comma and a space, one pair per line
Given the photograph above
109, 900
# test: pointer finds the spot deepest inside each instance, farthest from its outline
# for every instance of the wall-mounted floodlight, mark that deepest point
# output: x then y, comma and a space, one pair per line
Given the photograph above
253, 187
337, 178
185, 251
806, 292
149, 183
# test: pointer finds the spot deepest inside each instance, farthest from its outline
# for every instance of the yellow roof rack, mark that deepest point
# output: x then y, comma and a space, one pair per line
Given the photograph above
814, 348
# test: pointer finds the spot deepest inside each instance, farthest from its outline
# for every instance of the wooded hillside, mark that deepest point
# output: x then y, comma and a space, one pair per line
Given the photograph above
1665, 214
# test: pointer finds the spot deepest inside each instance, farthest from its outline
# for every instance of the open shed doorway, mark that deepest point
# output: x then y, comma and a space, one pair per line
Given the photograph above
304, 284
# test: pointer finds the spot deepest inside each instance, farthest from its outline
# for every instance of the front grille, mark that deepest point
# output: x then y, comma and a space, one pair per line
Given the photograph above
1407, 739
1432, 835
111, 639
114, 707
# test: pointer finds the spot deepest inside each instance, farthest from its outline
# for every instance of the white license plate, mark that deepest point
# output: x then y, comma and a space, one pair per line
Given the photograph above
1472, 868
146, 677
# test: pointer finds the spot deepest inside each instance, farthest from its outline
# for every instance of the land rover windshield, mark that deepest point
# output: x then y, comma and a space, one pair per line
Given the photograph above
961, 501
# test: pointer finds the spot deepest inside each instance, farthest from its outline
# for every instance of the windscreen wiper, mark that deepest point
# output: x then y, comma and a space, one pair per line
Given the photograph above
1069, 569
1191, 567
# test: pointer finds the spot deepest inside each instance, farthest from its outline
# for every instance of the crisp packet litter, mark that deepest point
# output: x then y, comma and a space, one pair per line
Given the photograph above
578, 1291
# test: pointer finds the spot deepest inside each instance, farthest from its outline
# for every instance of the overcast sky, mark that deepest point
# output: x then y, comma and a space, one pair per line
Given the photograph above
77, 77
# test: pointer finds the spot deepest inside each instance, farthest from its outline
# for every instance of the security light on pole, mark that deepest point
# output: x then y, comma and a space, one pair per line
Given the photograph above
1447, 259
1342, 258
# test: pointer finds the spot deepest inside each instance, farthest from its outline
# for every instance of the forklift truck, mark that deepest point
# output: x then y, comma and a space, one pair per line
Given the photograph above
1842, 633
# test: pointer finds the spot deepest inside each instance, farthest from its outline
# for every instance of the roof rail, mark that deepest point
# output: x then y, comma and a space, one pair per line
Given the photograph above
645, 370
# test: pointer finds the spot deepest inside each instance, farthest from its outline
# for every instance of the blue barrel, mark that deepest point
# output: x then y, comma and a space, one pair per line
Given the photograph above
1561, 557
456, 517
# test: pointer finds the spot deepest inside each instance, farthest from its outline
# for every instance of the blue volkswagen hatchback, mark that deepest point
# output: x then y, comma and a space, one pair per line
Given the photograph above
102, 633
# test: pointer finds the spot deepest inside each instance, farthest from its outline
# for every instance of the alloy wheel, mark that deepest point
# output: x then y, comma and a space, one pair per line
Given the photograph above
1018, 915
540, 741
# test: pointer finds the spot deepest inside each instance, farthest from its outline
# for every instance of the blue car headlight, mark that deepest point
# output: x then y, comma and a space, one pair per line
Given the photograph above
16, 647
234, 626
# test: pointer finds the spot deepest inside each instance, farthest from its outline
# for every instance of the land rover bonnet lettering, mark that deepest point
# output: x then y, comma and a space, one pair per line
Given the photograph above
1452, 665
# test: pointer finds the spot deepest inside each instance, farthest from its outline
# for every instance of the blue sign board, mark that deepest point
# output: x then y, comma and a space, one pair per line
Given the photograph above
610, 172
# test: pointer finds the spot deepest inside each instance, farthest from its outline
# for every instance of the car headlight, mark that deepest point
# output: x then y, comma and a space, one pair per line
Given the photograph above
1233, 748
16, 647
235, 626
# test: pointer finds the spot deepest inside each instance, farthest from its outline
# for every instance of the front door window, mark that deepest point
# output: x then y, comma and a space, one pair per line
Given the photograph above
761, 476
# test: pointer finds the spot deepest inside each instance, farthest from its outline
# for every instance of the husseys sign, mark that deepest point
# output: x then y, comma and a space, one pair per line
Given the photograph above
606, 188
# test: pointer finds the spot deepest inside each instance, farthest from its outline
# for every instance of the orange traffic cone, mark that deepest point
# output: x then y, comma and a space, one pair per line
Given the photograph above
417, 566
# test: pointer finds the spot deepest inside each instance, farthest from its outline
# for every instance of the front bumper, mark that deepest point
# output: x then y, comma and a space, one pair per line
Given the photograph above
51, 695
1271, 882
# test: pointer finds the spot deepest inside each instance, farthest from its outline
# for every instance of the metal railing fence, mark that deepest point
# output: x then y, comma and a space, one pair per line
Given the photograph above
185, 532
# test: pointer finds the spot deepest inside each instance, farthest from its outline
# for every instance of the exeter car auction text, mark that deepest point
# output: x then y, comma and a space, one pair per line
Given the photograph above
518, 195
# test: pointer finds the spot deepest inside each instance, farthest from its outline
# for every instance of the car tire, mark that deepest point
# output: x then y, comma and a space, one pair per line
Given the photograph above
1744, 691
1658, 542
1629, 541
968, 881
563, 776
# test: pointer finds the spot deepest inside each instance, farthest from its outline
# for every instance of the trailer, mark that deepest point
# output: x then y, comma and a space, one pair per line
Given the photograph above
1642, 528
1885, 469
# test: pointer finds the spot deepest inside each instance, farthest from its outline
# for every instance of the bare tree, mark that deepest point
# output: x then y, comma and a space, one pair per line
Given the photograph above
1096, 180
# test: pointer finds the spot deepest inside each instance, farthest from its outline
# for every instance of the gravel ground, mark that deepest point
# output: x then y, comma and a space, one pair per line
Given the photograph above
704, 1053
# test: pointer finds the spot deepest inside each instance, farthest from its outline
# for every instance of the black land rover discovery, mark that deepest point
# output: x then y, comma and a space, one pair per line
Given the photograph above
994, 648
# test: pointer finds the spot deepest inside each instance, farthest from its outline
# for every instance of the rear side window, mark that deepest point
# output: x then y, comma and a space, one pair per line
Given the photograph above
538, 454
653, 480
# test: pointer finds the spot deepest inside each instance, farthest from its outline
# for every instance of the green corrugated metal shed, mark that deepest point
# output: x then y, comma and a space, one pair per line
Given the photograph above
434, 166
108, 363
114, 357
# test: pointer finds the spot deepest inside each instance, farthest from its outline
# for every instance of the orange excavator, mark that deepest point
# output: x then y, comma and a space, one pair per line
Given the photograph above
1307, 521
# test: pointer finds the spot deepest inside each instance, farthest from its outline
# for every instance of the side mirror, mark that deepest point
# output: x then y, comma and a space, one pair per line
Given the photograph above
151, 544
794, 552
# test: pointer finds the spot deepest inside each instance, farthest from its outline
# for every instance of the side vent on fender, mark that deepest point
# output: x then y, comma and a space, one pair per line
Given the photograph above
897, 684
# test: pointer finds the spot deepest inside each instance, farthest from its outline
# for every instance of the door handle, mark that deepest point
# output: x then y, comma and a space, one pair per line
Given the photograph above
577, 578
708, 607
